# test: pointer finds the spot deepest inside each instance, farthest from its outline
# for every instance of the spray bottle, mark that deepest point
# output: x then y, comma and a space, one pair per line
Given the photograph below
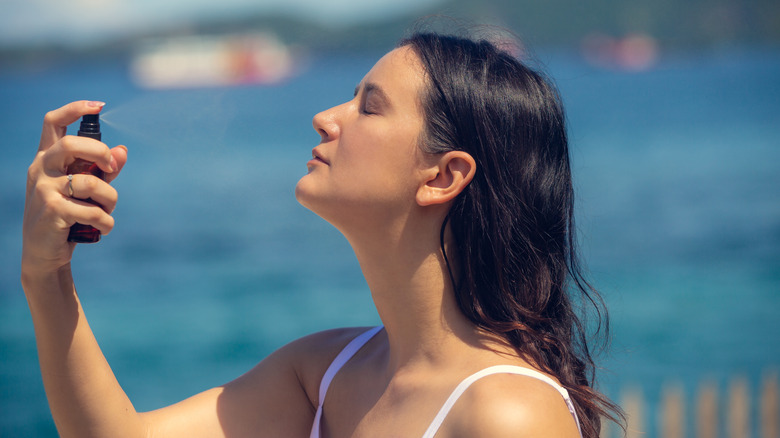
90, 127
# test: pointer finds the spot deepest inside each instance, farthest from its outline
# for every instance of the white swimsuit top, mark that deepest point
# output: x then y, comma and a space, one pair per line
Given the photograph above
357, 343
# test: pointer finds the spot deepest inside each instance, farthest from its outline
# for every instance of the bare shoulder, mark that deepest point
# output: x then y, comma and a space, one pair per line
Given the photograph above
275, 398
324, 342
309, 357
509, 405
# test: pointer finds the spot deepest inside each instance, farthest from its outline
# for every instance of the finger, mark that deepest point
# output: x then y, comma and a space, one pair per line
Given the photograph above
55, 122
84, 186
119, 155
69, 148
83, 212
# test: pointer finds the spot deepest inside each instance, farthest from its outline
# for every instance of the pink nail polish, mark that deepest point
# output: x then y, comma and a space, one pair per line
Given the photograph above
96, 103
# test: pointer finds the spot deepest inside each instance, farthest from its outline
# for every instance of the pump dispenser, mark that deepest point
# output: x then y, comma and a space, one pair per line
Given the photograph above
90, 127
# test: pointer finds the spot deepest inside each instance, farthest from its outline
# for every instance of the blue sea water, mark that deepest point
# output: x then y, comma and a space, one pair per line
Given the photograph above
213, 264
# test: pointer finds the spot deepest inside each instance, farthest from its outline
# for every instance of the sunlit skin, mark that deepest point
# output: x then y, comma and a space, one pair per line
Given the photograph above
367, 167
369, 178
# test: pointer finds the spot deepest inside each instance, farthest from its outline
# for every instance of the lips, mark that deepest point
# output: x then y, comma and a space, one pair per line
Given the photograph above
316, 155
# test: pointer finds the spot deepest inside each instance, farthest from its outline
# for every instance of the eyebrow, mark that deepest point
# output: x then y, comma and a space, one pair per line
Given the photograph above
376, 89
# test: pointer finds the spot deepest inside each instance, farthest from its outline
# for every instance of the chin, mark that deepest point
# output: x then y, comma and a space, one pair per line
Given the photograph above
303, 193
306, 194
309, 195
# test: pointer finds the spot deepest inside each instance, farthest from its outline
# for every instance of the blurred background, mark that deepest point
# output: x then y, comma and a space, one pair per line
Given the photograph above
674, 112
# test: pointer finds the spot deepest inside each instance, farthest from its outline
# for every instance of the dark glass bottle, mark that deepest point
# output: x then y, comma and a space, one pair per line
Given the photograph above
90, 127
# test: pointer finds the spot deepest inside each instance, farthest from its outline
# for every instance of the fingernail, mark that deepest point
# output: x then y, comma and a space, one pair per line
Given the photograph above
112, 165
96, 103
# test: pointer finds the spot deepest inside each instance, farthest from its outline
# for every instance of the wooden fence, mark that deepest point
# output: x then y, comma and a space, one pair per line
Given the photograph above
738, 415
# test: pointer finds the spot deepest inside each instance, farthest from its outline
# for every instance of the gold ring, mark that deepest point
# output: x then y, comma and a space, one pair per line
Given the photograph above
70, 185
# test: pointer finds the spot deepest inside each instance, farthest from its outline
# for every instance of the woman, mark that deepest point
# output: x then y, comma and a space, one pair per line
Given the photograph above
448, 174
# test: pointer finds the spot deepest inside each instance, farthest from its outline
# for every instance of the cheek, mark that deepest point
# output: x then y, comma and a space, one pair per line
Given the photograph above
375, 163
359, 160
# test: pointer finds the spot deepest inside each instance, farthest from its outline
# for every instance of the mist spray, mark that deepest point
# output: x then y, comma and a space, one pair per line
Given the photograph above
90, 127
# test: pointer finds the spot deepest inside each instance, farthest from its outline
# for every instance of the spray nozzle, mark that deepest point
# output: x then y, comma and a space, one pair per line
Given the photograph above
90, 126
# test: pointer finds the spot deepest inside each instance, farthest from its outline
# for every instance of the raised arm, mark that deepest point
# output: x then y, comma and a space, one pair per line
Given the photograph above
274, 399
79, 383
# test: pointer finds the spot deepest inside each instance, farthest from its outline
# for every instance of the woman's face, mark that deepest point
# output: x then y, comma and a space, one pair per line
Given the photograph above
366, 168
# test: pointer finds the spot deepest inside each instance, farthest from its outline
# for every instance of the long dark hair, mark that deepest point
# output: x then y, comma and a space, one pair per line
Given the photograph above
513, 257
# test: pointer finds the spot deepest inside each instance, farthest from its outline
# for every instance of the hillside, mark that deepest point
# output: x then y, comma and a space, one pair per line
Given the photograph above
671, 23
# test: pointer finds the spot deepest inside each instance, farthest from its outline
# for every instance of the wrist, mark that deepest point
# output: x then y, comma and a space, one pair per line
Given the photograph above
45, 278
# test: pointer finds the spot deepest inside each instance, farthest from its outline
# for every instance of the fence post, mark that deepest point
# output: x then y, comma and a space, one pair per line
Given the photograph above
707, 411
672, 412
739, 409
632, 404
769, 407
606, 428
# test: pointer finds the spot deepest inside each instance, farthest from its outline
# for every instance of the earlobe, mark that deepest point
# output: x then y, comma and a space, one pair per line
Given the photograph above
448, 178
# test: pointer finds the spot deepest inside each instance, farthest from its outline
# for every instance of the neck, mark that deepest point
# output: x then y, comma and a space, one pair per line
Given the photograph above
413, 294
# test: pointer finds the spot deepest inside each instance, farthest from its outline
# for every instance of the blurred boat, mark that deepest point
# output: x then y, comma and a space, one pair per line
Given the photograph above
213, 61
634, 52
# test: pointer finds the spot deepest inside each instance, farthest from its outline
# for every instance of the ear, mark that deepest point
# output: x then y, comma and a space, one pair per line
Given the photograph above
446, 179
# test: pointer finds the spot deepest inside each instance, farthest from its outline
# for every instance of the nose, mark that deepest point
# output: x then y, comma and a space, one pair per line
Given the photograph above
326, 124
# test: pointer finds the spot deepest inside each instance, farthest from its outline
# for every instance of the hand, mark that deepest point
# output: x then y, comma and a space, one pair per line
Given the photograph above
49, 210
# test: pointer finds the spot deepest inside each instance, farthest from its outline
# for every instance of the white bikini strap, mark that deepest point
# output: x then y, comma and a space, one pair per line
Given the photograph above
498, 369
344, 356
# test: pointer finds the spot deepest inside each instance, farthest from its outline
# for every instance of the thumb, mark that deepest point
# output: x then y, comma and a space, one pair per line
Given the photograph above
56, 122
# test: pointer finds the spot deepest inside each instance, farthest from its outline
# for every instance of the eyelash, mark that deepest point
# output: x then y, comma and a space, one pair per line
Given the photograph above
363, 109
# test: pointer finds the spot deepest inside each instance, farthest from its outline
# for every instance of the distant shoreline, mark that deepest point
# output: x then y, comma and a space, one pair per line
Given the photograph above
697, 25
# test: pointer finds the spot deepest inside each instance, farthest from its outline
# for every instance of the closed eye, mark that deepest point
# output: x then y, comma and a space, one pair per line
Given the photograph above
366, 108
363, 102
373, 99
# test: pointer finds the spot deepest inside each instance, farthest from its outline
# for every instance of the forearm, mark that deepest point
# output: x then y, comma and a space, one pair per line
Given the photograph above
85, 397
